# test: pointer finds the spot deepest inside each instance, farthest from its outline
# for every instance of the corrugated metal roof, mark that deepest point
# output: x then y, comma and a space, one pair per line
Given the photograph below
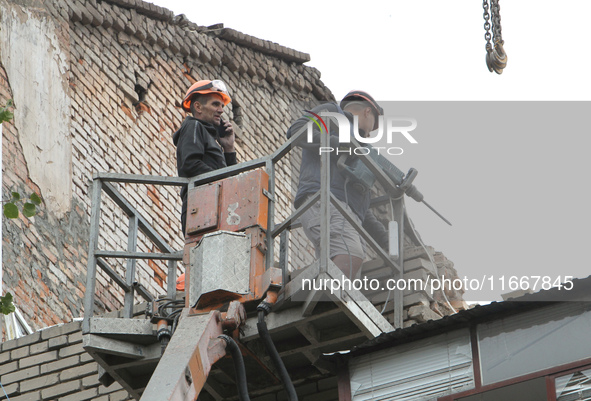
581, 292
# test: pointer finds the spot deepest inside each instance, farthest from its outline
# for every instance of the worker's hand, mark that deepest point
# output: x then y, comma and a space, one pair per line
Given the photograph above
227, 141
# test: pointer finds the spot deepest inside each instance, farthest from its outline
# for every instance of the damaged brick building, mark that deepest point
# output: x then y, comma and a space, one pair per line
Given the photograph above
97, 88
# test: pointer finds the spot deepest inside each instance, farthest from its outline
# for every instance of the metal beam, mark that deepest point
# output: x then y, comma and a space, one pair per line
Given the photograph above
121, 376
113, 275
171, 280
296, 215
399, 212
172, 379
295, 286
140, 255
106, 326
284, 256
311, 302
358, 307
359, 228
325, 194
190, 354
143, 224
288, 145
310, 332
95, 216
270, 257
362, 337
111, 346
153, 355
130, 268
141, 179
226, 172
216, 396
283, 320
143, 292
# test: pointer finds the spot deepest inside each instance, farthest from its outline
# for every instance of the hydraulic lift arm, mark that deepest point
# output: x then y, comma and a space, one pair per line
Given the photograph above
193, 349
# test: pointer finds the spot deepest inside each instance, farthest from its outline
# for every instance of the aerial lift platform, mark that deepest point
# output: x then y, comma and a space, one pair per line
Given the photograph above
236, 298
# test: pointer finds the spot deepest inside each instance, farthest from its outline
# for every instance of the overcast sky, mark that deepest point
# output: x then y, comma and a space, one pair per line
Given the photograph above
512, 177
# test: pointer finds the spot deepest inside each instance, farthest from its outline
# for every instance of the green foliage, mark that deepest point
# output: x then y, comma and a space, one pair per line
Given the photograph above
10, 208
5, 114
6, 305
11, 211
35, 199
29, 207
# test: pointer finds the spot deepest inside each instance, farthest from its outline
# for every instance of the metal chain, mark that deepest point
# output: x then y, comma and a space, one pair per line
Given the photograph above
496, 21
496, 58
487, 34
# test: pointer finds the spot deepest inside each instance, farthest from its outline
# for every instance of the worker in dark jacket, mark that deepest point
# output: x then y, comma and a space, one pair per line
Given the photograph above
204, 142
346, 245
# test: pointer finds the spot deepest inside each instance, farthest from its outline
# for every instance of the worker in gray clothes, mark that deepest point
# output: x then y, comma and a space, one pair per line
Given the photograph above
346, 245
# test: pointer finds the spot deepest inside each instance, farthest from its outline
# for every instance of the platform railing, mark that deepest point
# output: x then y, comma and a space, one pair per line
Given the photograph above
103, 182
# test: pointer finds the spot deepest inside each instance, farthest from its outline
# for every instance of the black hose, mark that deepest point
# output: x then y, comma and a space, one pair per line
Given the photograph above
163, 336
163, 344
268, 342
238, 366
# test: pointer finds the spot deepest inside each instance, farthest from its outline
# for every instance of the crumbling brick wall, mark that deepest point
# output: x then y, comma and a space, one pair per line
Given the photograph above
114, 73
52, 365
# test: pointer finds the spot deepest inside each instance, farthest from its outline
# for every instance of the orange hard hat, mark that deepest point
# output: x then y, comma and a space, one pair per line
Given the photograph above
180, 283
363, 96
204, 87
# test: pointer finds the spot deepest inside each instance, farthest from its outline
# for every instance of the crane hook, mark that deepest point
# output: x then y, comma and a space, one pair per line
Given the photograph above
496, 59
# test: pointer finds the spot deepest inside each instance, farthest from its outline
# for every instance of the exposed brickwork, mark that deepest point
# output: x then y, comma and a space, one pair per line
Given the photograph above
52, 365
128, 65
71, 375
117, 51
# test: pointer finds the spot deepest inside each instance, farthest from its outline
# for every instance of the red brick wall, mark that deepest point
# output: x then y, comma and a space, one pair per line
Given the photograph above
52, 365
112, 48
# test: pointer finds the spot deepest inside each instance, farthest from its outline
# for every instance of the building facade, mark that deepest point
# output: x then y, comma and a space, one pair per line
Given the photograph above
97, 87
525, 349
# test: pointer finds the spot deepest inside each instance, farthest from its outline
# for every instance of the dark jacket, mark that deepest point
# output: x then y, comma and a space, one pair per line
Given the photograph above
198, 152
309, 180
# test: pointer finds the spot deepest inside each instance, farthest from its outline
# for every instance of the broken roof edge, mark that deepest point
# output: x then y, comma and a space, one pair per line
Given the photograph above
580, 292
231, 35
261, 45
137, 21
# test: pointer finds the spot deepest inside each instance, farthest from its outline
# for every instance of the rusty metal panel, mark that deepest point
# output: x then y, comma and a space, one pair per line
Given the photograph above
231, 204
203, 208
243, 202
